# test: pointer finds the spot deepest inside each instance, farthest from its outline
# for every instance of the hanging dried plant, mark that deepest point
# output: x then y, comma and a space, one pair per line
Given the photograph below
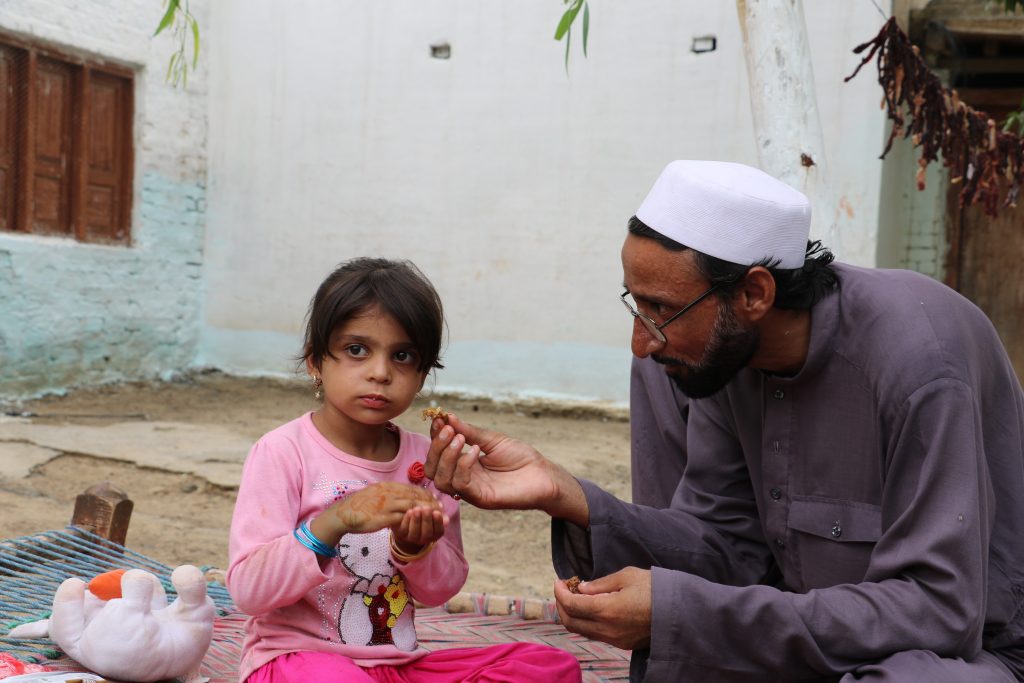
981, 158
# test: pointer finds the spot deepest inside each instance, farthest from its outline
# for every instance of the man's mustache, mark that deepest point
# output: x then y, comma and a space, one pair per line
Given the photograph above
667, 360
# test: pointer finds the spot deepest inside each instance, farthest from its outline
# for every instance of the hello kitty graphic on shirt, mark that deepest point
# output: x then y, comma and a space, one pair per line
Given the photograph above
378, 610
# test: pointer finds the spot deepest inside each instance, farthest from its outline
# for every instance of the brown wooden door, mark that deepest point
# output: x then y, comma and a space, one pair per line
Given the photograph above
988, 269
66, 147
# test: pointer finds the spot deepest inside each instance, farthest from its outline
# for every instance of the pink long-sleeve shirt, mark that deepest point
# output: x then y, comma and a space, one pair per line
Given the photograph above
359, 604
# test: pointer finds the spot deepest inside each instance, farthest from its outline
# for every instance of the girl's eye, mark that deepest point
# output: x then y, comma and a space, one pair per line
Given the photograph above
405, 357
356, 350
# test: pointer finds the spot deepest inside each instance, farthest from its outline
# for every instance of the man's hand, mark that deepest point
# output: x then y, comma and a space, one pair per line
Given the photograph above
615, 609
498, 472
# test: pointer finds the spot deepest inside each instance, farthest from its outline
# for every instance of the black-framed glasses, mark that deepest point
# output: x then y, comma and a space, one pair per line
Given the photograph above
654, 328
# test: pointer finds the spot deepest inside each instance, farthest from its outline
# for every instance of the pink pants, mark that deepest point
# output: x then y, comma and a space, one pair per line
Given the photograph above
506, 663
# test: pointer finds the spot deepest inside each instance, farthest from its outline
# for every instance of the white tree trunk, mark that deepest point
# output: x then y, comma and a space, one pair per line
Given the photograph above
785, 111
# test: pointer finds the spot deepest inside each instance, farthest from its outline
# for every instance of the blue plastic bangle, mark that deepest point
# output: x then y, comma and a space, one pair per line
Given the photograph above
321, 547
301, 539
306, 538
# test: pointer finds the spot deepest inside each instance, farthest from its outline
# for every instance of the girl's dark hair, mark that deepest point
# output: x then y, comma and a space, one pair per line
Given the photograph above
397, 287
795, 289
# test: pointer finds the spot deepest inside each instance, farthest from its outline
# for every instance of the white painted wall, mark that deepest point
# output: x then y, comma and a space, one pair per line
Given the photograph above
334, 134
72, 313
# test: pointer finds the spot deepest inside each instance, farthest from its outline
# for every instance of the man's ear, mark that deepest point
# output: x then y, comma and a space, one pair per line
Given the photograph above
755, 294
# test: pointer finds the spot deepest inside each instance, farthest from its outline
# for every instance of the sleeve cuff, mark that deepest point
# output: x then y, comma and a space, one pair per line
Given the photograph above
571, 550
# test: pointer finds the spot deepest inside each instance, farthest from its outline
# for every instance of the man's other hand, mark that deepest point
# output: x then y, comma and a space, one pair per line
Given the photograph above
615, 609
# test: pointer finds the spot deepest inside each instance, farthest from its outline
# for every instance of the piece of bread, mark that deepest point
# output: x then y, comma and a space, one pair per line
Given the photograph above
573, 584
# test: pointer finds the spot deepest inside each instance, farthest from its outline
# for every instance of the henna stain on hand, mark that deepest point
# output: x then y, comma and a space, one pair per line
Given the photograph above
372, 507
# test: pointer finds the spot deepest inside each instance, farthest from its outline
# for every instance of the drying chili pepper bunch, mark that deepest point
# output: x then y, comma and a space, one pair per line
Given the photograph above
982, 158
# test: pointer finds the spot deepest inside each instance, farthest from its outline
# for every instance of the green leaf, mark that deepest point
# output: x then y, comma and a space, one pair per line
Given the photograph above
1014, 122
168, 19
568, 39
586, 25
170, 66
563, 24
195, 41
567, 19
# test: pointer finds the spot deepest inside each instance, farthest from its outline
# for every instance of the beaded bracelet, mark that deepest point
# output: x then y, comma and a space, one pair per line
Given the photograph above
405, 557
306, 538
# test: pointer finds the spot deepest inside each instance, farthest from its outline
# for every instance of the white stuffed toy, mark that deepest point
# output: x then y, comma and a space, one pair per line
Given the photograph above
137, 636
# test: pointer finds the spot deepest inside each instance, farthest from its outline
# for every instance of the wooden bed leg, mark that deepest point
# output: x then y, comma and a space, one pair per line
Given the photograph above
105, 510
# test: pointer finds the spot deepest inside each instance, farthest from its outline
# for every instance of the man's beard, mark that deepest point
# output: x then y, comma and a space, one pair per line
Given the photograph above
731, 347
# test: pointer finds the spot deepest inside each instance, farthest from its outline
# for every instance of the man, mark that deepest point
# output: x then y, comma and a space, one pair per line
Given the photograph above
853, 495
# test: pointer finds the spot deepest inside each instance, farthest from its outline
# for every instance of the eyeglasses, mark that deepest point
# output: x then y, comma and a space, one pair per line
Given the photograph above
654, 328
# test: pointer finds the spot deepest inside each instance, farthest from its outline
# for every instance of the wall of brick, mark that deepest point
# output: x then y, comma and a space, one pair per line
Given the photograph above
73, 313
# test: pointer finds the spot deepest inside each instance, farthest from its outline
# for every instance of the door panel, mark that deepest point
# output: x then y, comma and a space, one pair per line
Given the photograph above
8, 135
106, 176
52, 187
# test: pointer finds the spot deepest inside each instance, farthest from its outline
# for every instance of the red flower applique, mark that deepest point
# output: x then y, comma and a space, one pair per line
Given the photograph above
416, 474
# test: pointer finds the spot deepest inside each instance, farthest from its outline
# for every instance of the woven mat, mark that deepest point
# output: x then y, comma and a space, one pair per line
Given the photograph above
31, 568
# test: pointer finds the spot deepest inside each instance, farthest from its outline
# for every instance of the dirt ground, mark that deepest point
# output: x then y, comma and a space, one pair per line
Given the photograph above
184, 519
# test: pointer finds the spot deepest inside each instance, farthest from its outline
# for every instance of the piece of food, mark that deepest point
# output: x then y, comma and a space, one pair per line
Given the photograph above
436, 411
573, 584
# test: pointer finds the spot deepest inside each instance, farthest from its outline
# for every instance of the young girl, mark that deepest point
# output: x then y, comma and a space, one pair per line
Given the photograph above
335, 531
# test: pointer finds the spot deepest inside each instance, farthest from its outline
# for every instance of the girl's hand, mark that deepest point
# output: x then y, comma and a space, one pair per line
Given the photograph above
419, 526
378, 506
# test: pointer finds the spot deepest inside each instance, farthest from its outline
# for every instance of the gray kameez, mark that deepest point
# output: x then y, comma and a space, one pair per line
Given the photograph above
870, 505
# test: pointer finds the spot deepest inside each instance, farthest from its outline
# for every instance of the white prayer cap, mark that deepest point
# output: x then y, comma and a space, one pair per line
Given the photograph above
730, 211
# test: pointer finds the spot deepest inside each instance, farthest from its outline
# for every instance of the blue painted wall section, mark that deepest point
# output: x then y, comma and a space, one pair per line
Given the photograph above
74, 314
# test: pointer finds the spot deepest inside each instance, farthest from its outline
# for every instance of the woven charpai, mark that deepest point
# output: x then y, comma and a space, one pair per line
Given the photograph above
32, 567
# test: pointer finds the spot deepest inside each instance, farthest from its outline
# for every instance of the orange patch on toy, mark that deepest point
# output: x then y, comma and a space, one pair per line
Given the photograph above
107, 586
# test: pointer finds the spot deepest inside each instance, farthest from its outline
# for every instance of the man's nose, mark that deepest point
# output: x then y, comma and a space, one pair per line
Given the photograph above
643, 343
